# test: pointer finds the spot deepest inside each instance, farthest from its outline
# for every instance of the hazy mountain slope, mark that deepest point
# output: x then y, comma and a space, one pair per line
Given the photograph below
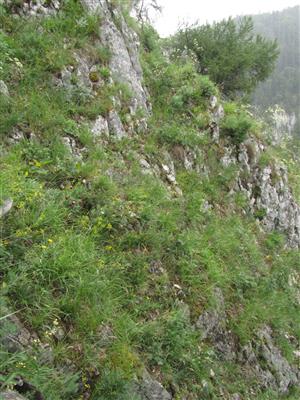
283, 87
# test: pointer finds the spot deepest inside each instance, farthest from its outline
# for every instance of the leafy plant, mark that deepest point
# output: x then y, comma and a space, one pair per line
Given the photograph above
237, 126
229, 53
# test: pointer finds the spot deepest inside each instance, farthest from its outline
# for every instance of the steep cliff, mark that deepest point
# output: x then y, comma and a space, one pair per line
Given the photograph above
150, 236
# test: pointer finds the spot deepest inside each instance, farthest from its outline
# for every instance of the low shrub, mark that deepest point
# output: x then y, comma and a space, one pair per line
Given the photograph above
237, 126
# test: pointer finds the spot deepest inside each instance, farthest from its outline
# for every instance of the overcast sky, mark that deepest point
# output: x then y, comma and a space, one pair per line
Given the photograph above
176, 11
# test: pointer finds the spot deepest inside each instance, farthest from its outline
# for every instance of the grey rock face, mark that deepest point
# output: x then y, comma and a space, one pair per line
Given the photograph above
105, 335
281, 124
6, 207
122, 42
115, 125
212, 324
266, 362
100, 127
283, 372
144, 164
16, 136
213, 101
82, 73
146, 168
267, 190
261, 358
212, 319
189, 159
65, 79
269, 195
11, 395
168, 169
72, 146
34, 8
294, 284
150, 389
235, 396
282, 212
185, 156
248, 357
76, 80
217, 113
228, 157
217, 109
168, 173
14, 336
4, 89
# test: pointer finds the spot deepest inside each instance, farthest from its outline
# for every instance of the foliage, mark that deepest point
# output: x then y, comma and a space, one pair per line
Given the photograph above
229, 52
149, 39
237, 126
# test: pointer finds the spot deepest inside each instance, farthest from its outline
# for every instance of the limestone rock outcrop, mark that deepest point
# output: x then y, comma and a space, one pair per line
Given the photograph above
11, 395
281, 124
33, 8
267, 189
4, 89
271, 200
122, 42
149, 389
259, 358
6, 207
264, 360
212, 325
265, 185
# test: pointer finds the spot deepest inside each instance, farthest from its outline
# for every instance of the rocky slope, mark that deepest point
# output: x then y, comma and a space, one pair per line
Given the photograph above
147, 254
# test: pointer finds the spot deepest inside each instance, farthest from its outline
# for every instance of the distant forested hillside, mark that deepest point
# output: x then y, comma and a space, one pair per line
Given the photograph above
283, 87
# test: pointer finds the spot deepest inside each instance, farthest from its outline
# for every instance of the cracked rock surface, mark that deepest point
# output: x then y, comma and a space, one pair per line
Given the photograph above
123, 45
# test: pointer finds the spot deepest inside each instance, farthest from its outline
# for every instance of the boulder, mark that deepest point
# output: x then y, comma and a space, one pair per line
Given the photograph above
265, 360
11, 395
148, 388
4, 89
33, 7
14, 336
100, 128
115, 125
73, 147
6, 207
212, 325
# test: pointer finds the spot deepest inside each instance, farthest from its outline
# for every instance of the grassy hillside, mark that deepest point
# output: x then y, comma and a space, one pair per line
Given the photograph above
110, 267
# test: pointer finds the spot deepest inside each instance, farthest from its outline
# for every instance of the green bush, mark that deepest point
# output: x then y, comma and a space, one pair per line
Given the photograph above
237, 126
149, 38
229, 53
174, 134
179, 86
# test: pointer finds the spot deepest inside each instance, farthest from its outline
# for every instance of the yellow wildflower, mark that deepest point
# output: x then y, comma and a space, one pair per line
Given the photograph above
37, 164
